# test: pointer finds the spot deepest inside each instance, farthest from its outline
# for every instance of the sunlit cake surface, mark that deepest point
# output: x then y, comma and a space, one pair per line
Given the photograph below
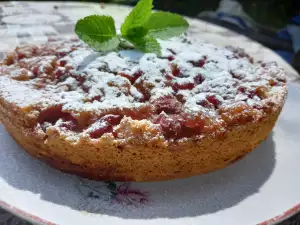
130, 116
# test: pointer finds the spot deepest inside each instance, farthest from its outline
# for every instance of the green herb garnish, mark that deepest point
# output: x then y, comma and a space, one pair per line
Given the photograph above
140, 29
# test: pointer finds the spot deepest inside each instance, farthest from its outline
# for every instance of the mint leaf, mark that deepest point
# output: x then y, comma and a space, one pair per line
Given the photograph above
140, 29
137, 32
146, 44
165, 25
98, 32
137, 17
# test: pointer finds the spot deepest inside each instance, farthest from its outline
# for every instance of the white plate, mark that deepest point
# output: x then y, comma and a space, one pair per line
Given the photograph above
262, 185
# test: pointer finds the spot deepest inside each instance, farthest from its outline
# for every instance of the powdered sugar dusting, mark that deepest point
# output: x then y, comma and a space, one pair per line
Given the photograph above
202, 79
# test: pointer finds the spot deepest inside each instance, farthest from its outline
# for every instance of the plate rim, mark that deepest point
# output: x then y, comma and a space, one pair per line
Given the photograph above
38, 220
24, 215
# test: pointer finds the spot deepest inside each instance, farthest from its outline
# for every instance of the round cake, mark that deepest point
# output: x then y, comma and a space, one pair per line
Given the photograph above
132, 116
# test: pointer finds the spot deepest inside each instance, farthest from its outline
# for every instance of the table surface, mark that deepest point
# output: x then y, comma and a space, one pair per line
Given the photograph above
25, 22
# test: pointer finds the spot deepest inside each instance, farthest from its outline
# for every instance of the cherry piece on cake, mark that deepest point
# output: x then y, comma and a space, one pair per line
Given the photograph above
104, 125
55, 113
133, 77
112, 119
175, 70
36, 71
235, 75
199, 63
168, 104
171, 127
59, 72
199, 79
213, 100
100, 129
144, 90
183, 86
62, 63
171, 58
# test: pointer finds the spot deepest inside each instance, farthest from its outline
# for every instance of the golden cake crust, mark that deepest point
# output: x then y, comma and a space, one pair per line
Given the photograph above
143, 161
138, 145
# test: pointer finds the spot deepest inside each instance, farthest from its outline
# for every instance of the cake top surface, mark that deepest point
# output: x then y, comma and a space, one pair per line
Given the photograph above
191, 88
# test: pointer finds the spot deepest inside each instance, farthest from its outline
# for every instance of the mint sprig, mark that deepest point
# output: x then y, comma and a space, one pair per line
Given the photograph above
165, 25
146, 44
140, 29
99, 32
138, 17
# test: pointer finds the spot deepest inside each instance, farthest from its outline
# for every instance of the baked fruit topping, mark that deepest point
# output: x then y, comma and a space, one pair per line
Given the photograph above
65, 94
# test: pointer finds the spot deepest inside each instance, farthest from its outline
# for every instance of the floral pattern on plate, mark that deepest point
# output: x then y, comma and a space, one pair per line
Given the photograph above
119, 193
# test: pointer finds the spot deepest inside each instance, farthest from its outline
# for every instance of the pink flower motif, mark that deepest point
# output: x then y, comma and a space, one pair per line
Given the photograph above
130, 196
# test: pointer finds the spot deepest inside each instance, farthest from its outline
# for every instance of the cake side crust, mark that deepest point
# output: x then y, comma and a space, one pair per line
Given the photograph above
144, 162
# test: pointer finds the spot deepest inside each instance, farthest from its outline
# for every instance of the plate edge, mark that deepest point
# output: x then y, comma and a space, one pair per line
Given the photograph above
38, 220
24, 215
287, 214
